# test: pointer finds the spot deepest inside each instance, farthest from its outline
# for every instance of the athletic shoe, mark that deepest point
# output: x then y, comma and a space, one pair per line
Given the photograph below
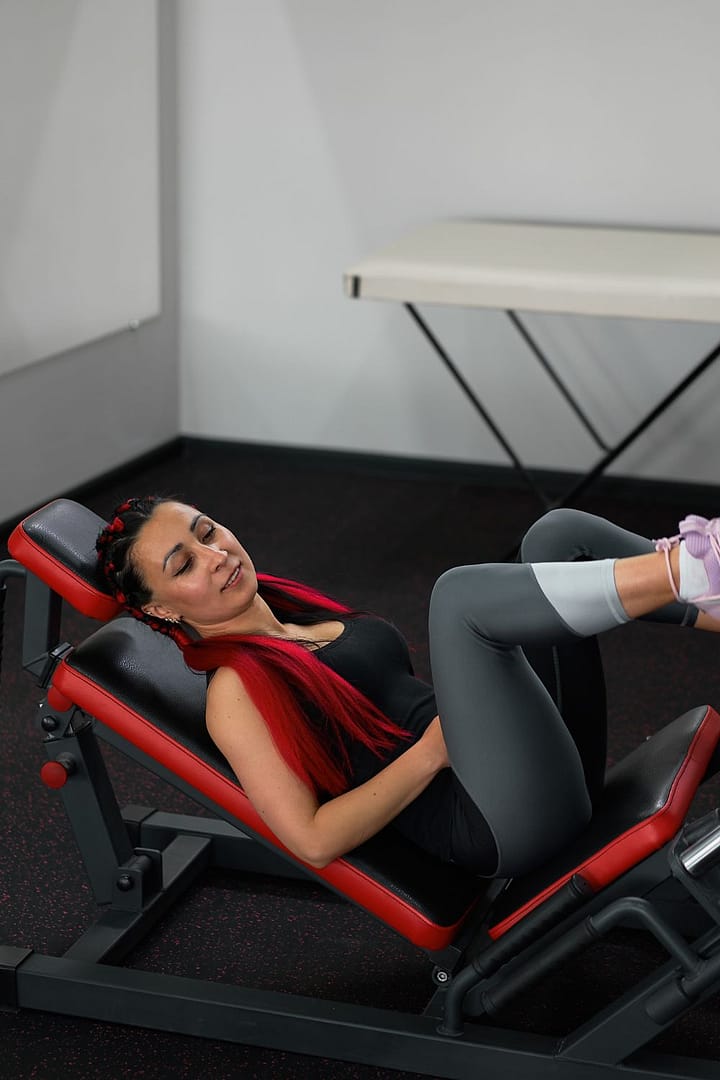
702, 541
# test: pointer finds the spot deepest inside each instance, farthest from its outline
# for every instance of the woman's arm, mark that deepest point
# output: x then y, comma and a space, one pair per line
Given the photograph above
316, 833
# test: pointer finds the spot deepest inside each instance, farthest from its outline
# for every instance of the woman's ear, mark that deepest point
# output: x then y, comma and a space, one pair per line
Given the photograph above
159, 611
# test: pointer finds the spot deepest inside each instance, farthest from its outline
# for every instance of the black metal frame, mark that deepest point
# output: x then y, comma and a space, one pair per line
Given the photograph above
609, 453
140, 861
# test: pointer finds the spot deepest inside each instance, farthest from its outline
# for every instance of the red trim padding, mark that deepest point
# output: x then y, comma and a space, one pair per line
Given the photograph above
346, 878
631, 847
81, 594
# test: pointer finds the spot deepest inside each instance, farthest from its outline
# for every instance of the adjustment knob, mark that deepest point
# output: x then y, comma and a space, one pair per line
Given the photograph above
54, 774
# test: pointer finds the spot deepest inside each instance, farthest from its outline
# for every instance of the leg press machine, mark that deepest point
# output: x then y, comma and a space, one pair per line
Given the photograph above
638, 864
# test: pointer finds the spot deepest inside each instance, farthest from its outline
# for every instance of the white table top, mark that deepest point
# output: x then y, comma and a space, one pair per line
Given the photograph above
635, 273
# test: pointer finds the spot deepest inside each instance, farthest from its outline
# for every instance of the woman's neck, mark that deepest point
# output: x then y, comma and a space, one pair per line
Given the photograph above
257, 619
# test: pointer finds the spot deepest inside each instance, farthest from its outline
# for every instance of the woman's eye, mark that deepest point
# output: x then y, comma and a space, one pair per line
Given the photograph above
206, 537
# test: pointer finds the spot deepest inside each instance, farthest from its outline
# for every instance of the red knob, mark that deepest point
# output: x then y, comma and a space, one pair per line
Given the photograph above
54, 774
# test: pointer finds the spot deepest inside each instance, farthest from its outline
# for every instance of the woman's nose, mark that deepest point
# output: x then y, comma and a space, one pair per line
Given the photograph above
217, 557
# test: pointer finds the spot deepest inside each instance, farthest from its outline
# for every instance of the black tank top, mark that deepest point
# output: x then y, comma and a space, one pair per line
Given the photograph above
373, 656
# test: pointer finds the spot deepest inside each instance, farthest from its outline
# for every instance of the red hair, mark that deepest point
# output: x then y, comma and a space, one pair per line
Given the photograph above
310, 710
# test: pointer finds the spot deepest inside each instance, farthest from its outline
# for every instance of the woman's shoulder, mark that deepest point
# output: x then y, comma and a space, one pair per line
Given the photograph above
224, 683
229, 708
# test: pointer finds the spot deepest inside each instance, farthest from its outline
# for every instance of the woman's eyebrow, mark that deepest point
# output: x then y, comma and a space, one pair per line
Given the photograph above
178, 547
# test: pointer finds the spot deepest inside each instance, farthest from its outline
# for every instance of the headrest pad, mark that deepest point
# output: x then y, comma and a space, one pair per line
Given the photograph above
57, 544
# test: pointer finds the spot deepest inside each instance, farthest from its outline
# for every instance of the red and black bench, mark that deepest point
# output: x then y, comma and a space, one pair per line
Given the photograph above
637, 863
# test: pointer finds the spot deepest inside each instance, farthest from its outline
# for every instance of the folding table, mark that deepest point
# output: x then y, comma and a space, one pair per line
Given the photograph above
631, 273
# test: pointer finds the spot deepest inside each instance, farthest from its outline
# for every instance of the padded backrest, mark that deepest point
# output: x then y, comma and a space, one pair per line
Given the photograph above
57, 544
136, 683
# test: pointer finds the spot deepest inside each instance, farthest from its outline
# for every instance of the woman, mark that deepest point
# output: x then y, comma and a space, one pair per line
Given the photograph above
330, 734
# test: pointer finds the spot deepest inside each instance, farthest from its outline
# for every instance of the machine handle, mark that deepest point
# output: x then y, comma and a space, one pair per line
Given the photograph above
701, 855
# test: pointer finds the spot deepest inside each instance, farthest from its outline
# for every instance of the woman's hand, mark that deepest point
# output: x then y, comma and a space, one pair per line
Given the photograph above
434, 742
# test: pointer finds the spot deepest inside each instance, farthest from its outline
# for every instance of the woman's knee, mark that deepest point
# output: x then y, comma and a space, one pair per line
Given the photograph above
446, 600
454, 591
558, 536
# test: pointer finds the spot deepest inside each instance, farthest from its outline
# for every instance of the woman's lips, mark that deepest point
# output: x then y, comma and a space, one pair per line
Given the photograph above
233, 579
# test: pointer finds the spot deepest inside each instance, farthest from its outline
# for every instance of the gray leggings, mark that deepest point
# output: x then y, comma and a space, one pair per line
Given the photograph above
521, 696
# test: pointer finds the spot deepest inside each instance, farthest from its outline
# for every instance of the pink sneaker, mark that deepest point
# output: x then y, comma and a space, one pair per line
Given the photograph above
702, 541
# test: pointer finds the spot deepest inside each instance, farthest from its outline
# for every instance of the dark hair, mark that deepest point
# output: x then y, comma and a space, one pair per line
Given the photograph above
114, 546
289, 685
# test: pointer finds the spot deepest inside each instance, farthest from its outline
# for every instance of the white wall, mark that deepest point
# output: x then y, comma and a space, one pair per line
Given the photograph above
311, 132
79, 257
314, 131
75, 415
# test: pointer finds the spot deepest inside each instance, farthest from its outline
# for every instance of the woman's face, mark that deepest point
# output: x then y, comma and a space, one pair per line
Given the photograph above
196, 570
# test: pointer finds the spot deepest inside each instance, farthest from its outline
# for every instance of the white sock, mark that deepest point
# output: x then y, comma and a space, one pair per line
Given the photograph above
693, 578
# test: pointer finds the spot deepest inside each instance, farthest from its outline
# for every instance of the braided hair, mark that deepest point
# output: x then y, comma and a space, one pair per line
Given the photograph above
114, 546
311, 711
